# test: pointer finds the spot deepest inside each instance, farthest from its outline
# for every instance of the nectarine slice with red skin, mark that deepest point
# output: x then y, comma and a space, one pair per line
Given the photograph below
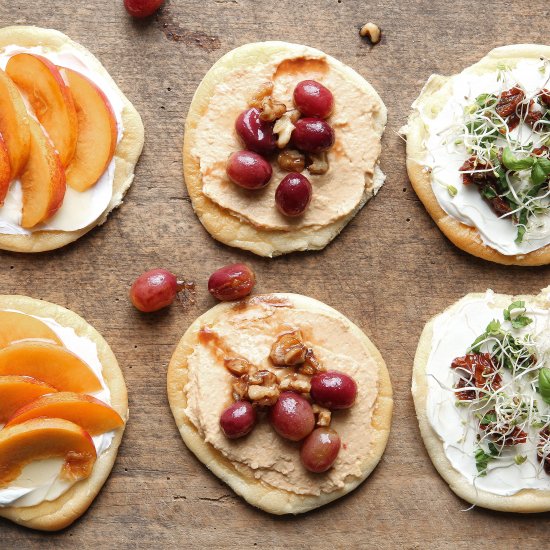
50, 98
5, 170
89, 413
14, 125
50, 363
18, 391
15, 326
43, 438
42, 180
97, 132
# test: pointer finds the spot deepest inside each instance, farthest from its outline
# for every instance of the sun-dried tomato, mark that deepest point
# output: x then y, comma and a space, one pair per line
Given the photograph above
477, 371
544, 438
481, 173
540, 151
500, 206
533, 116
504, 434
509, 100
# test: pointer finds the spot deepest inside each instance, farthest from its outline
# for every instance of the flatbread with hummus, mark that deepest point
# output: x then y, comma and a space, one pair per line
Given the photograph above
480, 385
64, 510
248, 219
262, 467
60, 49
477, 155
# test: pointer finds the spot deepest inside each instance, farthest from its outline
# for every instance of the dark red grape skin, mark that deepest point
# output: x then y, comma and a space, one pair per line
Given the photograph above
248, 170
231, 282
333, 390
293, 194
256, 134
142, 8
320, 450
292, 416
313, 99
238, 419
154, 290
312, 135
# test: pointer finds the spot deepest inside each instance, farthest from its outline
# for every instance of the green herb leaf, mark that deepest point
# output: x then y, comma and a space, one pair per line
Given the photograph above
520, 459
544, 384
488, 418
515, 314
483, 458
514, 163
538, 175
452, 190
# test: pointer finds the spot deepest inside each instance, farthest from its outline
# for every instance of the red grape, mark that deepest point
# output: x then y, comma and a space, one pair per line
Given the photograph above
248, 170
154, 290
256, 134
142, 8
292, 416
238, 419
312, 135
293, 194
231, 282
333, 390
312, 99
320, 449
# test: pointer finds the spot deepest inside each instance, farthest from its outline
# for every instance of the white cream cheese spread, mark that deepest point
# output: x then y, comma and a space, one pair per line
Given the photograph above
458, 426
41, 480
446, 154
79, 209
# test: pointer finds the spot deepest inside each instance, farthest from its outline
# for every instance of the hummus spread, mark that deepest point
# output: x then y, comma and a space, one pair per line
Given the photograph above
352, 159
249, 330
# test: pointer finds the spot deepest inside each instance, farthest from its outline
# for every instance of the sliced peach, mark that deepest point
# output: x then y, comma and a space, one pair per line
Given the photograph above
15, 326
18, 391
14, 125
42, 181
97, 132
50, 363
89, 413
43, 438
50, 99
5, 170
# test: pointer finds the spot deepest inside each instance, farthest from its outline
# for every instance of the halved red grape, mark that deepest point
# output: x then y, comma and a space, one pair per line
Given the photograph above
320, 449
256, 134
312, 135
293, 194
231, 282
333, 390
142, 8
238, 419
313, 99
292, 416
248, 170
155, 289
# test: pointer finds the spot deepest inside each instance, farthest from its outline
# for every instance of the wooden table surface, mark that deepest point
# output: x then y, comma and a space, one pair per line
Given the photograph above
389, 271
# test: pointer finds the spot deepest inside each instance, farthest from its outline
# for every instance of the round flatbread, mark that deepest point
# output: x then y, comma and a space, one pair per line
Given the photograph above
432, 99
239, 476
59, 513
524, 501
127, 151
234, 230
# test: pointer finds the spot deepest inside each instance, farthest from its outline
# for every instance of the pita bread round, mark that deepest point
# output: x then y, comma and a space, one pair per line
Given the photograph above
433, 97
126, 154
59, 513
254, 491
222, 224
525, 501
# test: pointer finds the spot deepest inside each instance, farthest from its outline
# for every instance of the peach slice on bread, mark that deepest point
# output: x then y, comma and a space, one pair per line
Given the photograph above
14, 125
50, 363
50, 99
89, 413
18, 391
97, 132
43, 438
42, 180
15, 326
5, 170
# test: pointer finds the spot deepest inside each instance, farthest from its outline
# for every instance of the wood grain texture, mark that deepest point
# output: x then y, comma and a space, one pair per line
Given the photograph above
389, 271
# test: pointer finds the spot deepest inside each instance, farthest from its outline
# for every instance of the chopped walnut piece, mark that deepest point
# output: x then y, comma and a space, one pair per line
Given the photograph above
288, 349
293, 382
323, 415
262, 378
271, 110
291, 160
240, 387
265, 90
311, 364
372, 31
238, 366
263, 395
318, 164
285, 126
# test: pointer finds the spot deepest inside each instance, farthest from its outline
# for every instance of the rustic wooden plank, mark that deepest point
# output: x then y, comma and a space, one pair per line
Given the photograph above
389, 271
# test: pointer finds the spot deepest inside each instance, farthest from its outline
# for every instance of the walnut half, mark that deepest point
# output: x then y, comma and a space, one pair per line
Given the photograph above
288, 349
318, 164
263, 389
311, 364
291, 160
293, 382
285, 126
